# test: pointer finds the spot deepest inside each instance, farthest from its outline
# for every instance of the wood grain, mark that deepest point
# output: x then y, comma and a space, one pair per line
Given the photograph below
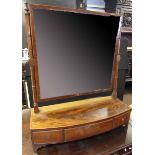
77, 120
88, 130
51, 137
77, 113
31, 56
116, 60
103, 144
121, 119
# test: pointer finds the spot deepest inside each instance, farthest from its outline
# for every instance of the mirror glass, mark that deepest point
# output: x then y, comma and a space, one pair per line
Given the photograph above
74, 51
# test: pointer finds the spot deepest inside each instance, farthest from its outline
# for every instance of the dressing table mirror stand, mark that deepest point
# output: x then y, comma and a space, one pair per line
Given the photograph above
79, 119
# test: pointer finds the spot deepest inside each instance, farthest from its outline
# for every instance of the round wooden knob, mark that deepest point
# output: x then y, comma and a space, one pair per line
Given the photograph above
122, 119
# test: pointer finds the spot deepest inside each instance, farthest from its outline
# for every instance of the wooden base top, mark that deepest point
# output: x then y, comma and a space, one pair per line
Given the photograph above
76, 113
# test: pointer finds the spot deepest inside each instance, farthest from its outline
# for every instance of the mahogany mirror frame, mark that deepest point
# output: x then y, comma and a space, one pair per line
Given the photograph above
33, 53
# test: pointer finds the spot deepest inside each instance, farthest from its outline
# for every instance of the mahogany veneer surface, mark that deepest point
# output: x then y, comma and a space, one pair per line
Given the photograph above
76, 113
77, 120
103, 144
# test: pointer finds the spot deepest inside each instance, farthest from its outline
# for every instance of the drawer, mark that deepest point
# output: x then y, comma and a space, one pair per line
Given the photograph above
122, 119
51, 137
81, 132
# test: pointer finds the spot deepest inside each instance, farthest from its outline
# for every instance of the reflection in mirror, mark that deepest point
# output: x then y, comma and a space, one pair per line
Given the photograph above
74, 52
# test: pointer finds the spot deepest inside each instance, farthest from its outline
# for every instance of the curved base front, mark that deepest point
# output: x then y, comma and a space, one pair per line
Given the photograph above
77, 120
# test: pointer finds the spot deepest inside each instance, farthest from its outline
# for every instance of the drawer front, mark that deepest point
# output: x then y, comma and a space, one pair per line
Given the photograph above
51, 137
121, 119
81, 132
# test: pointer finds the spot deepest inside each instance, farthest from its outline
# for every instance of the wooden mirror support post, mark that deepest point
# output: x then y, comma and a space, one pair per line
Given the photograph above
78, 119
31, 57
116, 60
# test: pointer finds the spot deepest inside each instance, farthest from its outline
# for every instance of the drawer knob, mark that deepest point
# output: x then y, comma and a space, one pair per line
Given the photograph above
122, 119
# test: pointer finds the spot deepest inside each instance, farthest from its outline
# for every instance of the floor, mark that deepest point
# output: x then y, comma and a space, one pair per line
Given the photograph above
26, 140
